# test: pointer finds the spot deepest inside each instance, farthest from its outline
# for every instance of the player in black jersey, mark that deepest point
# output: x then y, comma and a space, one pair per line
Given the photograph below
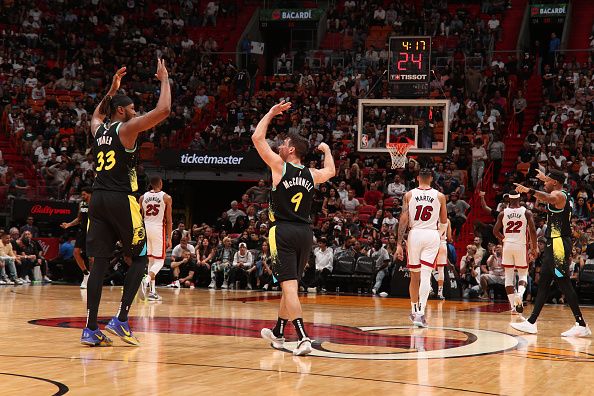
290, 236
114, 213
82, 220
557, 253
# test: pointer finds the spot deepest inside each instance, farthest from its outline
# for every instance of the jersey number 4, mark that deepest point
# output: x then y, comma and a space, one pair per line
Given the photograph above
105, 161
151, 210
513, 227
423, 212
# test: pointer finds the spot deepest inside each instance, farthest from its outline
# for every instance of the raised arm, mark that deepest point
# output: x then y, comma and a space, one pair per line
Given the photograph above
168, 219
556, 198
498, 227
272, 159
103, 107
129, 130
329, 170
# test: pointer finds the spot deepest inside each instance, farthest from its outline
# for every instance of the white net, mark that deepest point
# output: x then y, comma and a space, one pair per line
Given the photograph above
398, 154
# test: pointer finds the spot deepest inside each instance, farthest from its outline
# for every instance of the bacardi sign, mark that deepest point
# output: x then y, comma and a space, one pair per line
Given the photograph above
548, 10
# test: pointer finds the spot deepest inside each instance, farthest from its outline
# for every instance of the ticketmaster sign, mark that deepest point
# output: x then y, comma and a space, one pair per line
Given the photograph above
281, 14
201, 160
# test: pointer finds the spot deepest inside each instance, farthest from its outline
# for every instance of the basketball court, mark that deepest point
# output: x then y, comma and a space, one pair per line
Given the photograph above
197, 340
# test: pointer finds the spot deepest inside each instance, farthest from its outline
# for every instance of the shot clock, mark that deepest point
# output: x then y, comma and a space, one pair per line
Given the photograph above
410, 60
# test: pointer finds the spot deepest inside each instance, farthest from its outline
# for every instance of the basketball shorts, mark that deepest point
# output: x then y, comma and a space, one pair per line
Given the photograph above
557, 253
290, 247
115, 216
155, 241
442, 254
514, 256
422, 246
81, 238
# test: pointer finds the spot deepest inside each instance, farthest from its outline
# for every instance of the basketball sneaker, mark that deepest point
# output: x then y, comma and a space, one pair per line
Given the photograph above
225, 285
143, 291
518, 305
122, 330
525, 327
213, 285
83, 284
303, 347
420, 321
95, 338
577, 331
277, 342
154, 297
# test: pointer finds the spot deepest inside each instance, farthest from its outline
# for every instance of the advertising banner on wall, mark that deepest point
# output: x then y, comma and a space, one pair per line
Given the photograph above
202, 160
44, 211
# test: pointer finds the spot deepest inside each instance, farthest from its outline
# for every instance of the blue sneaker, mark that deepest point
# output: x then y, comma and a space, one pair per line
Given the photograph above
94, 338
122, 330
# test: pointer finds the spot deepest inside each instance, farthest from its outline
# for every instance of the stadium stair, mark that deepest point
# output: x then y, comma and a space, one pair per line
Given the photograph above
582, 16
511, 22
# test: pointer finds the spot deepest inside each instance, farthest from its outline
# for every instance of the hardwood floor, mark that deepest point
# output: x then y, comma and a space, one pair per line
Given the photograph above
197, 340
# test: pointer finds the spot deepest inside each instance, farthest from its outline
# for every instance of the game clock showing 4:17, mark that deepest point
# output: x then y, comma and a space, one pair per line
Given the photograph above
410, 60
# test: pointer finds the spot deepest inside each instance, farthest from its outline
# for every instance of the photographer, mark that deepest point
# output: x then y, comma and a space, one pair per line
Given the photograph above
470, 273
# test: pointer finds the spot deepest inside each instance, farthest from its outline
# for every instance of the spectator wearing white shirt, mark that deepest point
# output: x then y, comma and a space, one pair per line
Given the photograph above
38, 93
382, 264
557, 160
234, 212
184, 245
324, 258
479, 156
396, 188
342, 191
350, 204
243, 269
494, 27
379, 16
201, 100
390, 220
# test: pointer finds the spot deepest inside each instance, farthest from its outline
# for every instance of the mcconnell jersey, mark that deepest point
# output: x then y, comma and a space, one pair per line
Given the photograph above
115, 165
153, 206
514, 225
559, 220
291, 199
423, 209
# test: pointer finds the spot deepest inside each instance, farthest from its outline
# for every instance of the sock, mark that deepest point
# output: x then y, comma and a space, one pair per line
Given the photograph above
521, 291
131, 284
440, 290
94, 288
86, 272
511, 297
414, 308
580, 320
153, 286
299, 328
279, 329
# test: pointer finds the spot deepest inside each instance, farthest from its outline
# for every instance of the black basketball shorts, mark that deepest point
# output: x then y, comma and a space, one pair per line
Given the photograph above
557, 255
290, 247
81, 238
115, 216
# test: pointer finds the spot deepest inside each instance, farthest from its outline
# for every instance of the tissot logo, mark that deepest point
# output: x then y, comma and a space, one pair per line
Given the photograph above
210, 159
408, 77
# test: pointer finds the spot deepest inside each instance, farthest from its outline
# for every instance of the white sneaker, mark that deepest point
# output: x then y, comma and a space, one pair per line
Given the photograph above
373, 291
577, 331
174, 284
27, 280
46, 279
213, 285
225, 285
525, 327
83, 284
277, 342
383, 294
303, 347
154, 297
19, 281
249, 286
2, 282
518, 304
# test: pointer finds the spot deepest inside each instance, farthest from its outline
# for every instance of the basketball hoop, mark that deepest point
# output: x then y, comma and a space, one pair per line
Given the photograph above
398, 153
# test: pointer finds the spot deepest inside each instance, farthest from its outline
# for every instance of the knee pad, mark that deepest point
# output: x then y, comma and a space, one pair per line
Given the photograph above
523, 275
440, 273
510, 277
156, 266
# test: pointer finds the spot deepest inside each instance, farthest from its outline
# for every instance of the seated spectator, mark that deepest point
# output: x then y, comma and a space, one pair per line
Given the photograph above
263, 263
457, 212
396, 188
32, 228
18, 186
8, 259
184, 270
204, 258
324, 259
234, 213
183, 246
492, 273
258, 194
382, 264
243, 271
222, 264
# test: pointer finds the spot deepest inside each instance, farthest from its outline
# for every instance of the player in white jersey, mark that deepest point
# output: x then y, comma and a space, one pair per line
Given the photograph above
424, 210
517, 223
442, 259
156, 209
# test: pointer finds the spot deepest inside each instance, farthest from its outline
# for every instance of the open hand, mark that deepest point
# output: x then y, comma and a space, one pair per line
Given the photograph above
279, 108
399, 252
117, 79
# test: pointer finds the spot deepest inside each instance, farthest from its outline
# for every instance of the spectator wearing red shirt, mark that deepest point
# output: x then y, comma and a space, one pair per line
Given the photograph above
373, 196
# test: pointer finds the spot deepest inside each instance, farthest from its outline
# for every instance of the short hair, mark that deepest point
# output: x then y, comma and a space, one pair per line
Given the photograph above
117, 101
300, 144
155, 180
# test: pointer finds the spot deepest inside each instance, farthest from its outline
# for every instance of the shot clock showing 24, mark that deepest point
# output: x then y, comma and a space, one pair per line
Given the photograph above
410, 59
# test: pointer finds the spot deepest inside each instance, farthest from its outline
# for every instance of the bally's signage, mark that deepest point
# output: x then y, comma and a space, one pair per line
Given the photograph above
45, 211
313, 14
203, 160
547, 10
